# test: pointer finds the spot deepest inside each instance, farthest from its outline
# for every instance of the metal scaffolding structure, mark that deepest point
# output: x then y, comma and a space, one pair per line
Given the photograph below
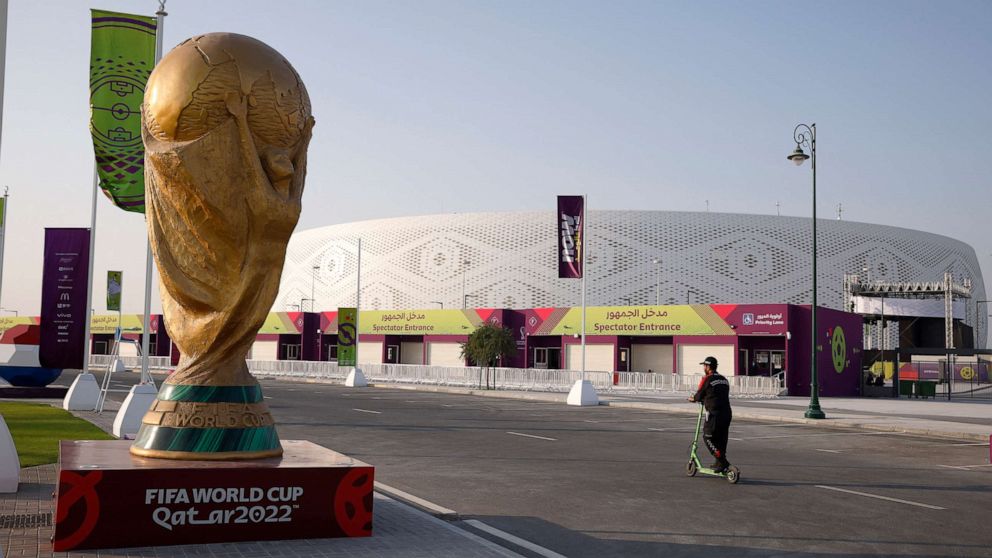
947, 289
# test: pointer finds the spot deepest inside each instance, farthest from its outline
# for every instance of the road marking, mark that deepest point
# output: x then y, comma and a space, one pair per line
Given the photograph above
789, 424
368, 411
539, 550
663, 429
533, 436
818, 434
266, 397
985, 444
966, 467
897, 500
736, 439
829, 451
446, 405
592, 421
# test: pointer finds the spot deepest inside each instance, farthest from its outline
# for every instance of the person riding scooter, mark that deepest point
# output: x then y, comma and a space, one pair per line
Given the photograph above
714, 394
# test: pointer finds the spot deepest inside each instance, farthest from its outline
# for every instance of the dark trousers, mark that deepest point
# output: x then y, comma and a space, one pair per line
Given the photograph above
716, 430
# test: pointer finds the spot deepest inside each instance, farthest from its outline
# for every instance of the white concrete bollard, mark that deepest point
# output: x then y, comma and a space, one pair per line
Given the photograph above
10, 465
582, 394
356, 378
136, 404
83, 394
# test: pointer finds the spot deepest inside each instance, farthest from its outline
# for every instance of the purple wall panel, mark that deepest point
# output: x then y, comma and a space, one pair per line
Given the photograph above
839, 347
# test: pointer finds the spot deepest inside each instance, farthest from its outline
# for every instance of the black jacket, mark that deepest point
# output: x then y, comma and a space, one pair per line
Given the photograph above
714, 392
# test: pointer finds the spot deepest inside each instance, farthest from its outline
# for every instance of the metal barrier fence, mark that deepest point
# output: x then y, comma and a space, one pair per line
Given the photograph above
527, 379
953, 379
132, 362
687, 383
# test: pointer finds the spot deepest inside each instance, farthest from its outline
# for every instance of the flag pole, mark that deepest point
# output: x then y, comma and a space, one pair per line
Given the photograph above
584, 251
358, 298
3, 70
3, 226
582, 392
146, 377
88, 318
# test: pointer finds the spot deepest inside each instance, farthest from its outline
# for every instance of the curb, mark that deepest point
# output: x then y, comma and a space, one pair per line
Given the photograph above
549, 397
822, 423
429, 508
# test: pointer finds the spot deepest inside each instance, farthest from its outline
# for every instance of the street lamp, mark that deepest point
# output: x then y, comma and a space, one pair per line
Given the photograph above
441, 304
626, 300
313, 282
689, 292
806, 135
657, 284
15, 311
977, 302
465, 263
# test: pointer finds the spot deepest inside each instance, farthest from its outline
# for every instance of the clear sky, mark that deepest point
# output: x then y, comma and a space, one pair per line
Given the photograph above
462, 106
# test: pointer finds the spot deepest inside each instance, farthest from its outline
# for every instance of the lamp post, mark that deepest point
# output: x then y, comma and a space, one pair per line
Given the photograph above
657, 283
439, 303
465, 263
687, 293
626, 300
15, 311
313, 282
806, 135
977, 302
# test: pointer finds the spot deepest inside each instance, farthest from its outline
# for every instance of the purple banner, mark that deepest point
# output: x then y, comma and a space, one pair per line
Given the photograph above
63, 298
570, 236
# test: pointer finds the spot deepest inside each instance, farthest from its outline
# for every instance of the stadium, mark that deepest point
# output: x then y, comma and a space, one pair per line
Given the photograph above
507, 260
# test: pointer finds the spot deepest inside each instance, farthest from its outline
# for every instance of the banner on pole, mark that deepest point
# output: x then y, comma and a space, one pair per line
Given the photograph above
347, 336
122, 56
570, 236
63, 298
115, 282
3, 212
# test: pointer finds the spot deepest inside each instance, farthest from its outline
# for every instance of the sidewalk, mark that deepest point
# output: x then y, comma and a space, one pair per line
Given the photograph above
399, 530
971, 421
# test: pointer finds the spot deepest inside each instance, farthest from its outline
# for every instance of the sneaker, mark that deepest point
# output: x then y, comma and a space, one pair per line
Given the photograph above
721, 466
717, 466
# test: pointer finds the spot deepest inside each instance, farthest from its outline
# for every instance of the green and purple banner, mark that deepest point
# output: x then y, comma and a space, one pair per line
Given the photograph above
122, 56
347, 336
115, 281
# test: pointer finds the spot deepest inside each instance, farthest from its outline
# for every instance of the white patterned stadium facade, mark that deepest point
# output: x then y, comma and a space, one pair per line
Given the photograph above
508, 260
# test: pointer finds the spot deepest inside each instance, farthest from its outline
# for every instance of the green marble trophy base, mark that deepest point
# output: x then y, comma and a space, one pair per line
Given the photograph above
208, 423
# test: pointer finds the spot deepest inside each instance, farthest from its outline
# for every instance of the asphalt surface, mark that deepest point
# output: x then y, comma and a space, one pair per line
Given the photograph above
611, 482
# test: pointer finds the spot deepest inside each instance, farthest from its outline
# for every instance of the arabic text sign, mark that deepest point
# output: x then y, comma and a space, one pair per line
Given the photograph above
640, 320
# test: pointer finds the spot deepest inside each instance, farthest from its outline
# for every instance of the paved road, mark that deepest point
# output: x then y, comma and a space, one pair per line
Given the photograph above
611, 482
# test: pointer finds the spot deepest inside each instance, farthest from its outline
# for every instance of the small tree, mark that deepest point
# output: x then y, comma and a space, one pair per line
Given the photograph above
486, 345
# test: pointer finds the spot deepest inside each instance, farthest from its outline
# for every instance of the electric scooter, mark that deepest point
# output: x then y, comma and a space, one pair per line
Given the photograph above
732, 474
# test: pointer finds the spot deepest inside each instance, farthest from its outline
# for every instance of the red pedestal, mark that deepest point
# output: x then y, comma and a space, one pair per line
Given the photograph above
107, 498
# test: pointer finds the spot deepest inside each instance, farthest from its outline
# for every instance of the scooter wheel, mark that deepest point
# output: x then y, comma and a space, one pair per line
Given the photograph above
733, 475
690, 468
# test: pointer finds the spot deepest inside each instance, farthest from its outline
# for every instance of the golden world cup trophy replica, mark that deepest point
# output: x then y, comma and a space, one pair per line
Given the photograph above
226, 123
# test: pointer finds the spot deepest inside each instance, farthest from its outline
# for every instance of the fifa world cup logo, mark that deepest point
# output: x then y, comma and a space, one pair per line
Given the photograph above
226, 123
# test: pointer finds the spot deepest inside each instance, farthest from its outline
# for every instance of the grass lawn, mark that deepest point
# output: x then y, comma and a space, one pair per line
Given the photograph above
37, 429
